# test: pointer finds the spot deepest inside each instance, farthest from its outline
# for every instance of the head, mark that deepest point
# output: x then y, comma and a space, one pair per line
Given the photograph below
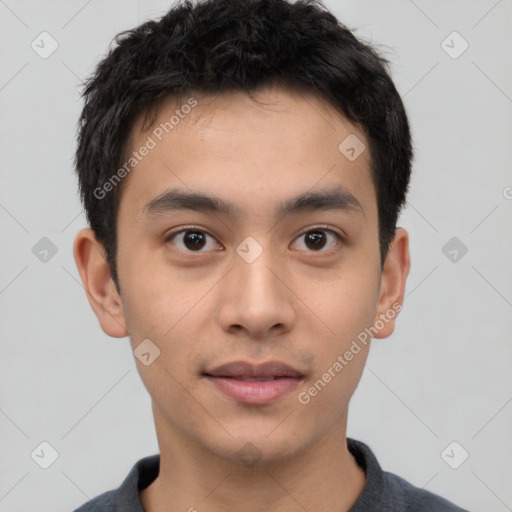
294, 130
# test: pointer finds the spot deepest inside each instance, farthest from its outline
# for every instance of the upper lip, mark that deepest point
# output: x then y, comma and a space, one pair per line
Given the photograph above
243, 369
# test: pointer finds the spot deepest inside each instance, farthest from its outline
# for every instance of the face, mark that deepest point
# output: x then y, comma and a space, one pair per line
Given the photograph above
252, 277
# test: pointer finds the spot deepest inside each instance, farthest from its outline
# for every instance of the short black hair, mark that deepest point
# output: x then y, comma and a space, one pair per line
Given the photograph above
213, 46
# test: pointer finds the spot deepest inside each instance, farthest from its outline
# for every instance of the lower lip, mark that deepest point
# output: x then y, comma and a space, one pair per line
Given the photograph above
255, 392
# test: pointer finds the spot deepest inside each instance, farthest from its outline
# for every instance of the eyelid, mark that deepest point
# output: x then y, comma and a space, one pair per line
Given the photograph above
169, 236
341, 237
320, 227
172, 234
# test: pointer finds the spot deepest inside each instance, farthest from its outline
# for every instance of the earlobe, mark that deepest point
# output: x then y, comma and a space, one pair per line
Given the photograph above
392, 287
101, 292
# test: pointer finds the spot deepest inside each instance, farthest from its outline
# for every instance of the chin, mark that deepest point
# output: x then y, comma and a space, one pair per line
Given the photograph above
252, 446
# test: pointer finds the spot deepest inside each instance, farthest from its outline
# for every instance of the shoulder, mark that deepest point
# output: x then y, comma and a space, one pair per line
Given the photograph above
415, 499
126, 497
387, 492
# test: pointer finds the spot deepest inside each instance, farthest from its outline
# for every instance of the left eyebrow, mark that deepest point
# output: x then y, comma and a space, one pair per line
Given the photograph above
336, 198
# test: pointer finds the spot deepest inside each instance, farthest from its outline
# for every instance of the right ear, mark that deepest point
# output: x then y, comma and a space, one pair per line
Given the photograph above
99, 287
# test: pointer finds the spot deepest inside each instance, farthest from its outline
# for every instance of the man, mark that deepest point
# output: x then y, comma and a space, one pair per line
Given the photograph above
242, 165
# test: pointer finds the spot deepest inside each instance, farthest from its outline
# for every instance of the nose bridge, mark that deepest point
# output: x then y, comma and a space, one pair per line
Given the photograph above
258, 298
255, 269
257, 280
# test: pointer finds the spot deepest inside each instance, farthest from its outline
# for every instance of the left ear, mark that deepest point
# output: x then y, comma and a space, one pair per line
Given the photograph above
392, 285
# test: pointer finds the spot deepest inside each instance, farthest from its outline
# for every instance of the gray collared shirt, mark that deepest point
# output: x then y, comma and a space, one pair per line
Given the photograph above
383, 491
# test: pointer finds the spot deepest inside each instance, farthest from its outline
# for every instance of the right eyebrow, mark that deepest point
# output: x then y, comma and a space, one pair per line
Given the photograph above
336, 198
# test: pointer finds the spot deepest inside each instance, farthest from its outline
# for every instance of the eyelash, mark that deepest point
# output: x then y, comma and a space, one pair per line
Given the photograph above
338, 236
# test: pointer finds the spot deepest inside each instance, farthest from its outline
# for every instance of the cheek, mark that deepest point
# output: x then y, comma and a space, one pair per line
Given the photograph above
342, 352
170, 313
345, 305
156, 304
167, 318
355, 314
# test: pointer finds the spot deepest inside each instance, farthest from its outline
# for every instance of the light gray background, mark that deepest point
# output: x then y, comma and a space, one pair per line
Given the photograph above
443, 376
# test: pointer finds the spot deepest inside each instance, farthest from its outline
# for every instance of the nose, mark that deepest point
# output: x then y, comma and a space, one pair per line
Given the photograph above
257, 298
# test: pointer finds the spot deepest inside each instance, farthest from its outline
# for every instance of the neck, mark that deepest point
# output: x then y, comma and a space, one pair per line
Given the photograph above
324, 476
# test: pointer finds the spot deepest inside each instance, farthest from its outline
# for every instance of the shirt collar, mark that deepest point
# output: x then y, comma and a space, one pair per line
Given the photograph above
145, 471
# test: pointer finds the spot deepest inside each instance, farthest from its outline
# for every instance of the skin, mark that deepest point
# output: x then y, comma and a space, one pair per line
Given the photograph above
295, 303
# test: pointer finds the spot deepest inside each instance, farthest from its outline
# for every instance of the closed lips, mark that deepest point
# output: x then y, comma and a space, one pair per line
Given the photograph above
245, 371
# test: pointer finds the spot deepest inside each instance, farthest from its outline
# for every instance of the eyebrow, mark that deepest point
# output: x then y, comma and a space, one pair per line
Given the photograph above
333, 198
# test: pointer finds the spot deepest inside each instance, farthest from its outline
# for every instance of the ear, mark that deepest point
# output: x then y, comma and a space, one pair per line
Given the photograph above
101, 292
392, 286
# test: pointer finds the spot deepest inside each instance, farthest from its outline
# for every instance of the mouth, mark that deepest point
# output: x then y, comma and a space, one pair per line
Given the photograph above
254, 384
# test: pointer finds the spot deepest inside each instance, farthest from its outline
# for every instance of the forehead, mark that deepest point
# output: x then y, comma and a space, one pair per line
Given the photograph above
275, 143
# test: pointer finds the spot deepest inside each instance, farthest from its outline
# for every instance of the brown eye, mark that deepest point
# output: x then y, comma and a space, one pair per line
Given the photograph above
315, 240
192, 240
